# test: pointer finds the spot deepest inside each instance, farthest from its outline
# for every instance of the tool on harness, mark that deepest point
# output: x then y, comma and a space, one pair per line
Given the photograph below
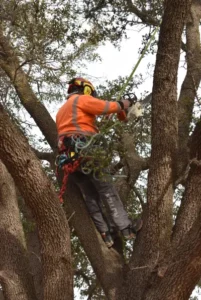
61, 160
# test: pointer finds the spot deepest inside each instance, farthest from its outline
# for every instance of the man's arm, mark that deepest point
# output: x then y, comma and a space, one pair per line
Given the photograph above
96, 106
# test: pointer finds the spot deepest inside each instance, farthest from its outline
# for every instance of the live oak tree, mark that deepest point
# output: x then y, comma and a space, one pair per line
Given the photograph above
165, 260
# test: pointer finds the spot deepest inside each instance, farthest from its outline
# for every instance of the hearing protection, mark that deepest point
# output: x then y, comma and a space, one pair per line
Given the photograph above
85, 85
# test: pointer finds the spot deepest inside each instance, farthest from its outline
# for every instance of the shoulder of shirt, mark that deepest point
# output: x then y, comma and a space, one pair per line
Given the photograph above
72, 96
84, 97
88, 97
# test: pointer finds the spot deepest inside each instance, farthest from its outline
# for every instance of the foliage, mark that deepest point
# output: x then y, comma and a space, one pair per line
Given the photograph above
110, 21
50, 45
54, 40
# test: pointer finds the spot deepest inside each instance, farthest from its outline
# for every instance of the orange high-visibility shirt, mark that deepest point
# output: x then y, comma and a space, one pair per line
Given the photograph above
78, 114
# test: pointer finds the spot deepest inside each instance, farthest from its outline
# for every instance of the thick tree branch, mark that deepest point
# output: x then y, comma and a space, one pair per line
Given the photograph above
186, 261
190, 83
40, 196
154, 238
191, 206
33, 246
13, 254
134, 165
44, 155
48, 156
144, 16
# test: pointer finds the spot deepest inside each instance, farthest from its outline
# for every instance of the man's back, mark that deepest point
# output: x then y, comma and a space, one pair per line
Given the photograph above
77, 115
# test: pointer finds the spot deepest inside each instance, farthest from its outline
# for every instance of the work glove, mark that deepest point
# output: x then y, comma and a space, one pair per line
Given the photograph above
122, 115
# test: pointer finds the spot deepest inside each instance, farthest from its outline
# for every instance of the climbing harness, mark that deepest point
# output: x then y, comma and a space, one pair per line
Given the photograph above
67, 169
68, 160
79, 152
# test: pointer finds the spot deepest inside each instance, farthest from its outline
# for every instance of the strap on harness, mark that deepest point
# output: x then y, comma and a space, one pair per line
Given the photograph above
68, 160
67, 169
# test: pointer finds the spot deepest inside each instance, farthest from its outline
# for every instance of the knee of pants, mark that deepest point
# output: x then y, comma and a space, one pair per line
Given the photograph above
93, 209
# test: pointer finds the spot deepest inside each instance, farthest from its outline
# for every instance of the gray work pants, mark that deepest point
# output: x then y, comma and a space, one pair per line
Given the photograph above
95, 192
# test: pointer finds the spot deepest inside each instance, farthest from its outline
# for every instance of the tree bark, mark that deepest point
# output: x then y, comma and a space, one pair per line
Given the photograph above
190, 84
177, 277
1, 295
190, 208
40, 196
15, 275
134, 164
33, 246
154, 239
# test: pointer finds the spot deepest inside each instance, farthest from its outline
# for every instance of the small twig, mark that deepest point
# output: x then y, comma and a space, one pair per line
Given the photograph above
71, 216
148, 266
36, 256
195, 90
195, 162
142, 267
139, 196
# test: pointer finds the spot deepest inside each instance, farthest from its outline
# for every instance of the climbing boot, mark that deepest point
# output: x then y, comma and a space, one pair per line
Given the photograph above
107, 239
136, 225
130, 232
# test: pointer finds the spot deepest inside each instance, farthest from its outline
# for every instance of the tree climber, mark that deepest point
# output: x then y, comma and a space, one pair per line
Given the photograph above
75, 122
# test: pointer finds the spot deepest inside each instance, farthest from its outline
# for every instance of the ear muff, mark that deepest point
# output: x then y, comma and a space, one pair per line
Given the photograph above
87, 90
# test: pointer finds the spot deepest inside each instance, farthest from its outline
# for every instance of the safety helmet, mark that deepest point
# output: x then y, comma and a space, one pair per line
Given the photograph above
81, 85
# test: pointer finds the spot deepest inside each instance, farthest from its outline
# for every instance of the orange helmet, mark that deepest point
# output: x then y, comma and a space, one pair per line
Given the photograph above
81, 85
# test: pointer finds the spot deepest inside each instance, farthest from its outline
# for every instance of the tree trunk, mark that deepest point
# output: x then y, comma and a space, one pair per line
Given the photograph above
40, 196
154, 239
1, 295
190, 84
178, 276
33, 246
15, 275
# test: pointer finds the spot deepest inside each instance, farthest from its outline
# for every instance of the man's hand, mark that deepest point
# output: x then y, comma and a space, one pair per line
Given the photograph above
127, 103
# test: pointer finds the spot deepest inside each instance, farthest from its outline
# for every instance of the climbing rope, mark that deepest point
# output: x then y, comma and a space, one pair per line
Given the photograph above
67, 169
137, 64
81, 154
